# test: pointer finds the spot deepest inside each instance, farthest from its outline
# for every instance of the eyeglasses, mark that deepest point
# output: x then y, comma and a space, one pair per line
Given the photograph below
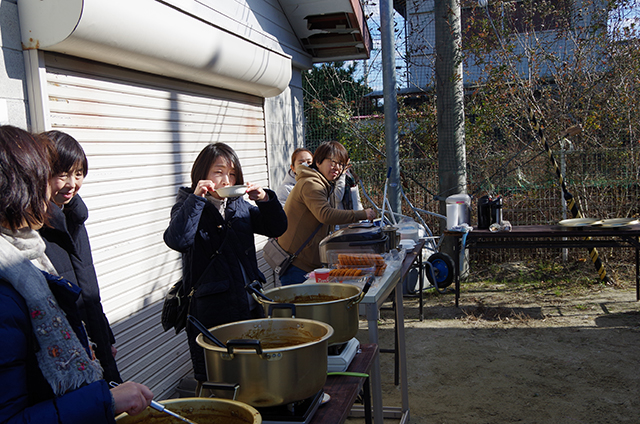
335, 164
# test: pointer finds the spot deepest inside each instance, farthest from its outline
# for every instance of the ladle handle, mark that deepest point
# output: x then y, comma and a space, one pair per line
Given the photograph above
205, 332
363, 292
251, 288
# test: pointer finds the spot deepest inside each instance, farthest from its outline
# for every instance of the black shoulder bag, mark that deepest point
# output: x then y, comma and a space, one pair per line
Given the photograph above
177, 301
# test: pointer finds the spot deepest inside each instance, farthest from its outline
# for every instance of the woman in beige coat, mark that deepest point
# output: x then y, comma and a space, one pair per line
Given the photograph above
308, 207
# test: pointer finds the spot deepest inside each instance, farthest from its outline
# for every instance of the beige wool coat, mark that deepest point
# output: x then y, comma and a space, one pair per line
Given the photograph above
307, 206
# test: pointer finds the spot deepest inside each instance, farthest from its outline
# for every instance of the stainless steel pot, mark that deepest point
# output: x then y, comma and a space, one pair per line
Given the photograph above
199, 410
289, 363
333, 303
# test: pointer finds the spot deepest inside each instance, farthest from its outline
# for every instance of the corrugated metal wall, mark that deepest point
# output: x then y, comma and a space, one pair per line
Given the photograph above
141, 134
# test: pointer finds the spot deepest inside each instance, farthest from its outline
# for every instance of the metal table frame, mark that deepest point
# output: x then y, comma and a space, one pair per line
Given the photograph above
549, 237
391, 281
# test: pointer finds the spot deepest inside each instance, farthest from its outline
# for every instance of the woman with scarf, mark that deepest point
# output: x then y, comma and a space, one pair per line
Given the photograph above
312, 212
48, 372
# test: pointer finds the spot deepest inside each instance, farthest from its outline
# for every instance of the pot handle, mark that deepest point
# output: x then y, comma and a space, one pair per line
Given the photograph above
364, 291
244, 344
283, 306
254, 289
219, 386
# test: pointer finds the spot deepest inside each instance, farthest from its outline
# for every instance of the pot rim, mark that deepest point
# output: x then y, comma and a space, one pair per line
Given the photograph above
202, 342
168, 402
329, 302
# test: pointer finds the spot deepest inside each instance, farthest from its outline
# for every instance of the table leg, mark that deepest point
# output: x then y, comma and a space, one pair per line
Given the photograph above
366, 394
421, 280
637, 274
376, 378
456, 272
401, 352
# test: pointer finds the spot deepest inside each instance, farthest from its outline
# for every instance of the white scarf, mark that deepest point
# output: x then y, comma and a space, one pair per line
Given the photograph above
62, 358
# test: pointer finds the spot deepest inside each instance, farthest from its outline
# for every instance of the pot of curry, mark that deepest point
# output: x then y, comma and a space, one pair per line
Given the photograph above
198, 410
333, 303
273, 361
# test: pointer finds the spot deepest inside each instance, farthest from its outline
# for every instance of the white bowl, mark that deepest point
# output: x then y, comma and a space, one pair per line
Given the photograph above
232, 191
407, 244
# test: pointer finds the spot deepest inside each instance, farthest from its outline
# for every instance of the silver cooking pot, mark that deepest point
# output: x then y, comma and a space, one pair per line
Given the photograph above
273, 361
333, 303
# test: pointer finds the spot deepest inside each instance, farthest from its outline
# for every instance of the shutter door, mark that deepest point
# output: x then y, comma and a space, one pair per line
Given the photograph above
141, 134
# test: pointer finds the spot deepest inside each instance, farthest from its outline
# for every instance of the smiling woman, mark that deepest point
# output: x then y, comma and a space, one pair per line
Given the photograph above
68, 245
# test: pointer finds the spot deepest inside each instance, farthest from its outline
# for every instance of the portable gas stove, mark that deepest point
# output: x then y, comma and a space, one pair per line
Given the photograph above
340, 356
300, 412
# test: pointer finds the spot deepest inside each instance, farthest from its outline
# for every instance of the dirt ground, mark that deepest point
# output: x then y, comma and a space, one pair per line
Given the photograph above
520, 349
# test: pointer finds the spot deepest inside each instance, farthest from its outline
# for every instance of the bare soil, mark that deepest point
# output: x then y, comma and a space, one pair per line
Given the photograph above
529, 345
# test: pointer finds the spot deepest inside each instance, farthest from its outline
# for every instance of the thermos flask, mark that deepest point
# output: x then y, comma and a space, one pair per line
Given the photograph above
484, 212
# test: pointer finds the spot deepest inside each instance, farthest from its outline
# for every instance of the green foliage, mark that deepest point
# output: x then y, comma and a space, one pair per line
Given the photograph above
333, 95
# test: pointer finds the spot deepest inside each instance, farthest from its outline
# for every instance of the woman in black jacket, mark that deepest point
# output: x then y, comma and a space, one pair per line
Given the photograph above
216, 238
68, 245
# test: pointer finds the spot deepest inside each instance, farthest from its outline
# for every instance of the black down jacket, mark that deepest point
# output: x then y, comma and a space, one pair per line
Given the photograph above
219, 258
69, 250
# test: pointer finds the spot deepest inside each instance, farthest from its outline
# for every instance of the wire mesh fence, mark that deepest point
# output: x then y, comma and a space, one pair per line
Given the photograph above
605, 183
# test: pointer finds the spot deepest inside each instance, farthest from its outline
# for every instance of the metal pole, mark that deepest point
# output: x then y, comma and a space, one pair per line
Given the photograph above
390, 102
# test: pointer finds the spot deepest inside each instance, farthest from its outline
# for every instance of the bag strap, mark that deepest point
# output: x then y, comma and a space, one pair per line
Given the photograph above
295, 255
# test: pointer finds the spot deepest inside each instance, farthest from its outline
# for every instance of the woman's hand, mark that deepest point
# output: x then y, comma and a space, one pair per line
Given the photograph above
256, 193
371, 215
203, 187
131, 397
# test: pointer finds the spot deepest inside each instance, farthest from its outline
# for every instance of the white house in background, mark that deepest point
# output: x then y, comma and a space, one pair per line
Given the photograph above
421, 38
144, 85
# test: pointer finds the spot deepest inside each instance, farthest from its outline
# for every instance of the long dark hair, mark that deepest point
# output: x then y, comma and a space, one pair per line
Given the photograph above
25, 169
208, 156
69, 153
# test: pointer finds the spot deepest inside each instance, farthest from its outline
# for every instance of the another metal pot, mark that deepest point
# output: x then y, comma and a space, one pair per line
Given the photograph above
200, 410
333, 303
289, 363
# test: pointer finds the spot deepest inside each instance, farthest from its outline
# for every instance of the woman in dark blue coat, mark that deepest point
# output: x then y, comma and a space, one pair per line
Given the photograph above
216, 238
47, 371
68, 245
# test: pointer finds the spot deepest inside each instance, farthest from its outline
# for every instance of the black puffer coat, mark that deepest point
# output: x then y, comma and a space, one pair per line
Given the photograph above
199, 232
69, 250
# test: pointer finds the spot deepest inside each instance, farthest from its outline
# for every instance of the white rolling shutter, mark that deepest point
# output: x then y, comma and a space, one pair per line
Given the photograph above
141, 134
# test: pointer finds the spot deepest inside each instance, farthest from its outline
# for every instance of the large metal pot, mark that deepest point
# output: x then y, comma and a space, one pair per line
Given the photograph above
199, 410
333, 303
289, 363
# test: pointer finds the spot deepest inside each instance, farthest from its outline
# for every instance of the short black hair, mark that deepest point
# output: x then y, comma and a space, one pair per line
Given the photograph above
69, 153
25, 169
208, 156
333, 150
